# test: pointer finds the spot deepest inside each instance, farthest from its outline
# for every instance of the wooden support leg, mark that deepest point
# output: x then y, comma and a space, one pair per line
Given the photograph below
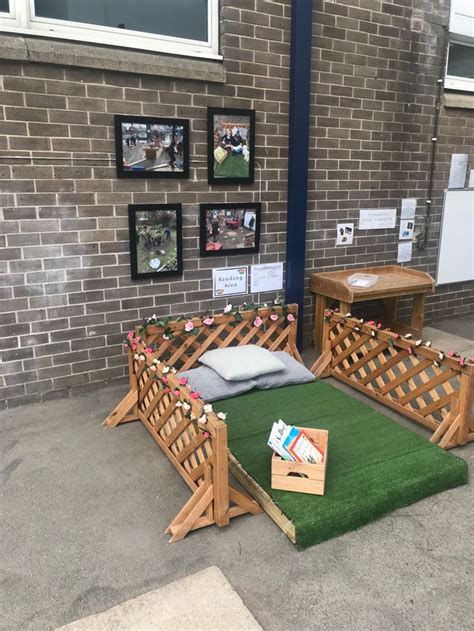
190, 513
320, 307
320, 366
344, 307
391, 312
418, 313
121, 413
245, 504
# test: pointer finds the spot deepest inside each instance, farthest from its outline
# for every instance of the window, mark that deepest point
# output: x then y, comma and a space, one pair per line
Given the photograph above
183, 27
460, 58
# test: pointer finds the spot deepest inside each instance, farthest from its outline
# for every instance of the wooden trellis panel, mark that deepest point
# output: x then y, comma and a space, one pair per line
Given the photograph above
417, 381
183, 350
198, 452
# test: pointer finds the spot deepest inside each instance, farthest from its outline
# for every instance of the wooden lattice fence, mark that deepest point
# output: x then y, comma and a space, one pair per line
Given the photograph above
407, 375
193, 438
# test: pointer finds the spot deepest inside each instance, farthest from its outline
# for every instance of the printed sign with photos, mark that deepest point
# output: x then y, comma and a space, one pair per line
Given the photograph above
230, 229
149, 147
230, 146
155, 240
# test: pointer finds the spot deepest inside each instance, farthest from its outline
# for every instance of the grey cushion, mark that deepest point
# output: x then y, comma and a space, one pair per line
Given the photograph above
240, 363
212, 387
293, 373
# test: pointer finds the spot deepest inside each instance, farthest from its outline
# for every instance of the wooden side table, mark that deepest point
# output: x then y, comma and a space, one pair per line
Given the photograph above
394, 281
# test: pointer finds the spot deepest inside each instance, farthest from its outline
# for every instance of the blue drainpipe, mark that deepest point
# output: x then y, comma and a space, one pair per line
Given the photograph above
300, 76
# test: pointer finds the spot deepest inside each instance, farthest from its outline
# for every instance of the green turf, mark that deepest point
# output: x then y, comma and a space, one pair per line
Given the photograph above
374, 464
233, 166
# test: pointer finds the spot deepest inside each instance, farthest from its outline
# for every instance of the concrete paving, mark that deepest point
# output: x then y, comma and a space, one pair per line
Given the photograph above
209, 603
83, 515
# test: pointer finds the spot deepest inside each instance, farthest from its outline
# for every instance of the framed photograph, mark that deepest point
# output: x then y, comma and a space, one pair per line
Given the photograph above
230, 146
230, 229
149, 147
155, 240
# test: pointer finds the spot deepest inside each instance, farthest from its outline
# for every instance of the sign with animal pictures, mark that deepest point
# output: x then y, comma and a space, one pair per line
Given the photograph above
155, 240
230, 146
148, 147
230, 229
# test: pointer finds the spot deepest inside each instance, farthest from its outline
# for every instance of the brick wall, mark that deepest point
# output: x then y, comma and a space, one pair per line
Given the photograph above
375, 67
66, 294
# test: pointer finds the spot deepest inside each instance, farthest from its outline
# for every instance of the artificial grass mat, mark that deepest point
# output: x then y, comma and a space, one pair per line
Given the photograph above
374, 465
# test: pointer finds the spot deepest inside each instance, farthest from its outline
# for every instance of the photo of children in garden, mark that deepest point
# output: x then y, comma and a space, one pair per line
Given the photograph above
155, 239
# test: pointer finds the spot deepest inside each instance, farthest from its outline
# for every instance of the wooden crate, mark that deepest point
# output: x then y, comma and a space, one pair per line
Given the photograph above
302, 477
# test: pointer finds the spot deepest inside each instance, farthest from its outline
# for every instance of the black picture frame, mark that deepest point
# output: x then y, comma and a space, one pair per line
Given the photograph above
241, 169
148, 234
231, 218
158, 157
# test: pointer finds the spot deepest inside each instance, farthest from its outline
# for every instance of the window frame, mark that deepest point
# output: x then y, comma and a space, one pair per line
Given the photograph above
22, 20
455, 82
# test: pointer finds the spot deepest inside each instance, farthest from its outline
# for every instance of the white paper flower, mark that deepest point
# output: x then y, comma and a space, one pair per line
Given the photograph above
166, 370
186, 406
173, 370
202, 419
207, 407
222, 416
153, 367
348, 315
179, 404
428, 343
136, 356
418, 342
408, 336
227, 308
156, 362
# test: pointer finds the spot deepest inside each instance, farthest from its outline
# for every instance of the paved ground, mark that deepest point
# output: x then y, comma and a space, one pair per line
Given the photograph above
83, 515
210, 603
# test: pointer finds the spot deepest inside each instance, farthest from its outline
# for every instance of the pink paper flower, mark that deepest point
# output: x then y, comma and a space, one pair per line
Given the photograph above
227, 308
134, 347
137, 340
274, 317
258, 321
130, 335
176, 393
148, 349
450, 353
379, 325
189, 326
371, 322
183, 381
195, 395
462, 361
290, 317
209, 321
206, 434
167, 390
395, 336
165, 379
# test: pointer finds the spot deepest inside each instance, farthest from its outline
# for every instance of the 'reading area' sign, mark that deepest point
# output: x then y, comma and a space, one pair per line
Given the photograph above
229, 281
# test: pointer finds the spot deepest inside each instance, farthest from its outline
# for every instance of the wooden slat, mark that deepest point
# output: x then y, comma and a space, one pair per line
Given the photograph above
428, 386
366, 358
350, 349
405, 376
393, 361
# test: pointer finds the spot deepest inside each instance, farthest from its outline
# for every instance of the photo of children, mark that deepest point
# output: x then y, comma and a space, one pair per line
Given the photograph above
151, 147
231, 145
229, 229
155, 240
